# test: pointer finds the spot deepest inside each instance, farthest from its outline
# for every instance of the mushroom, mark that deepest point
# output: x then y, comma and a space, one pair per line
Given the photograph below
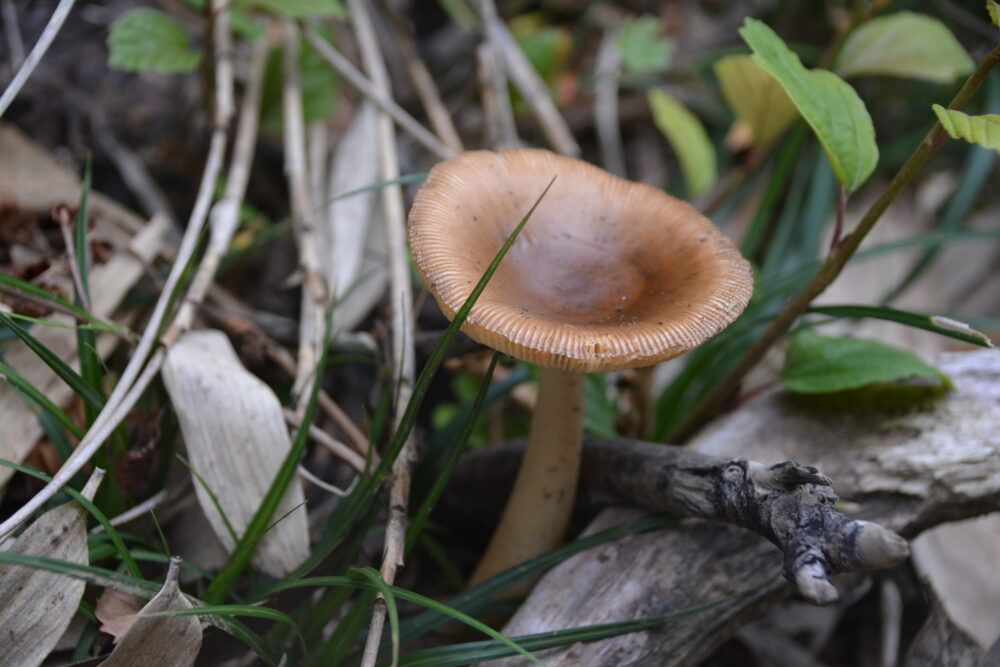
607, 274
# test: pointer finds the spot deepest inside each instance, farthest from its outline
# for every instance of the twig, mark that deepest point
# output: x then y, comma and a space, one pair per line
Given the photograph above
15, 45
424, 84
66, 229
336, 447
838, 227
381, 99
401, 298
136, 376
329, 488
41, 46
315, 295
606, 104
501, 130
834, 263
531, 86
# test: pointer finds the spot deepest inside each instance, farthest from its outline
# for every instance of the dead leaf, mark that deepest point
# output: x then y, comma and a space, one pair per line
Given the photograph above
116, 610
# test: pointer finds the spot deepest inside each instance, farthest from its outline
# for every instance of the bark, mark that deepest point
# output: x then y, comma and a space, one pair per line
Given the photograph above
907, 468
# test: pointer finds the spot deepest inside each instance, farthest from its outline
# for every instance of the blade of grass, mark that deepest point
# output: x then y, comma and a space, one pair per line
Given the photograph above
58, 366
416, 598
451, 458
230, 610
211, 494
239, 559
405, 179
348, 633
474, 652
120, 548
916, 320
95, 322
30, 392
368, 486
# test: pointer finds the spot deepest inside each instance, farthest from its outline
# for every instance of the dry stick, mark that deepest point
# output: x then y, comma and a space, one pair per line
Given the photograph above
403, 363
609, 64
136, 377
501, 130
530, 85
383, 101
41, 46
834, 263
424, 84
336, 447
66, 225
314, 291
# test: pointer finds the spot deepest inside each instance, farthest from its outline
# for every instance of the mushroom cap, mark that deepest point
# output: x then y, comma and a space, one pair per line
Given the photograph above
606, 274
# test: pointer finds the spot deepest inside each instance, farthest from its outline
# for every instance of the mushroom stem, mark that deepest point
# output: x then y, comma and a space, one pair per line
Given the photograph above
538, 510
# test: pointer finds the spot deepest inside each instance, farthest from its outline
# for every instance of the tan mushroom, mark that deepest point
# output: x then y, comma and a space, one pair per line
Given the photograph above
607, 274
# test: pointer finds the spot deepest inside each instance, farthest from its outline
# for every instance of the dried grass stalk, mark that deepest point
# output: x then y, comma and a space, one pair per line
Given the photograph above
160, 641
36, 606
236, 440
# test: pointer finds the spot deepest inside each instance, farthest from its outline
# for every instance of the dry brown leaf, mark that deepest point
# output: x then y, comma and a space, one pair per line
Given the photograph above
155, 641
236, 441
36, 606
116, 610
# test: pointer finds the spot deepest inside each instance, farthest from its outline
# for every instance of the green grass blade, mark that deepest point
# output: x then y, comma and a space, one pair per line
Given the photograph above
450, 459
473, 652
239, 559
939, 325
80, 236
120, 548
405, 179
211, 495
230, 610
368, 486
96, 323
32, 393
58, 366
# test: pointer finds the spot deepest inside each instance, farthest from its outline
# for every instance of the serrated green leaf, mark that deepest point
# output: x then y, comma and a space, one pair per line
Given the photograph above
907, 45
983, 130
148, 40
994, 11
756, 97
298, 9
830, 106
817, 364
688, 137
644, 47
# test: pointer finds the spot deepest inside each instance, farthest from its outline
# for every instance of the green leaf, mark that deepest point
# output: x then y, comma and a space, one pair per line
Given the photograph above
817, 364
297, 9
688, 137
983, 130
830, 106
756, 97
994, 10
148, 40
644, 47
546, 47
904, 44
939, 324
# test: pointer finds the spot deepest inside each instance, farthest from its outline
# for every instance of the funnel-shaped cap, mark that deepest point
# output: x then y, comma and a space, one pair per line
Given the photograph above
607, 274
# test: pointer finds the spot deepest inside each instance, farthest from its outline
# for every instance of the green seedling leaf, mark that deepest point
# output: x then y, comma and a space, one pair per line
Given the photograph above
148, 40
817, 364
760, 103
546, 47
830, 106
983, 130
939, 324
688, 137
644, 47
297, 9
994, 11
904, 44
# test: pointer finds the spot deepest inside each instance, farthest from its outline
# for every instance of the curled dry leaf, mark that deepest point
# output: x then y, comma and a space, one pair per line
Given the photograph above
36, 606
153, 641
116, 610
236, 441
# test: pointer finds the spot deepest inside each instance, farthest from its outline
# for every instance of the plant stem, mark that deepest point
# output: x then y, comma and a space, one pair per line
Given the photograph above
537, 513
834, 263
